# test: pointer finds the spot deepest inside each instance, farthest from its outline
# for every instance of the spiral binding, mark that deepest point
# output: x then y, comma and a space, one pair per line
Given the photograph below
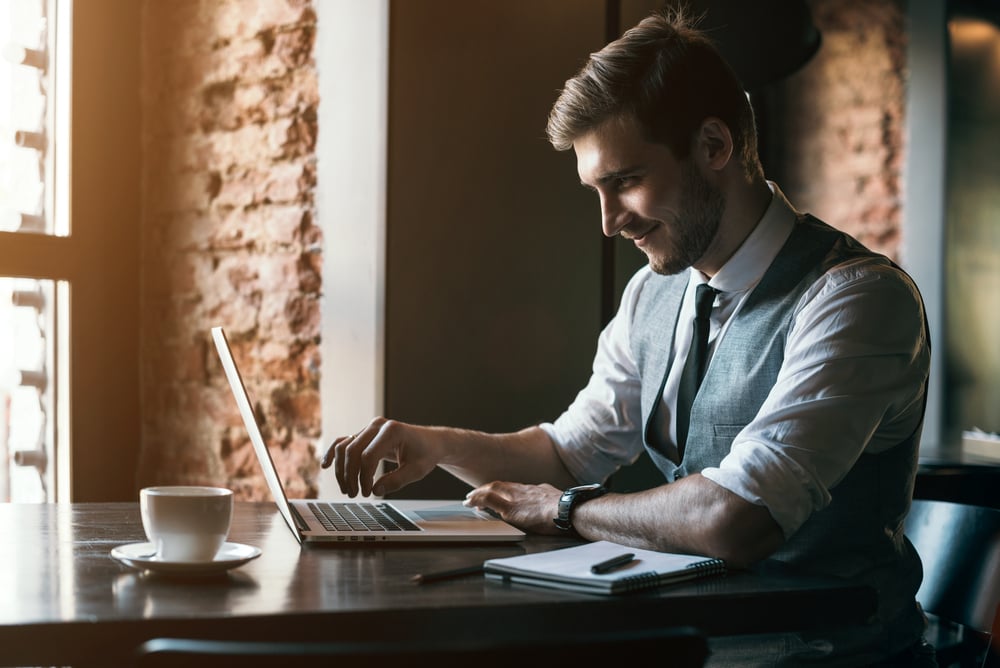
654, 579
710, 567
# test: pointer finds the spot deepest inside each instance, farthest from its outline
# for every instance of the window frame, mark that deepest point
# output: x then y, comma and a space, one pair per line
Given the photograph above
99, 258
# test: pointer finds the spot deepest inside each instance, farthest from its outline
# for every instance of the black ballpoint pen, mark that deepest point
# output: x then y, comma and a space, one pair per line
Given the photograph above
612, 563
424, 578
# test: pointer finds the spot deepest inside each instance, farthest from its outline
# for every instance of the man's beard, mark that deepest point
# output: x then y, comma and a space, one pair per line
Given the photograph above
695, 227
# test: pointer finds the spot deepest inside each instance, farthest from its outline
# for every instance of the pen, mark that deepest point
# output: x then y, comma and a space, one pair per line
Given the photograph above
423, 578
612, 563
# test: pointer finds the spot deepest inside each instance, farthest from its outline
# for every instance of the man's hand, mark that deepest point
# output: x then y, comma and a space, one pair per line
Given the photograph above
355, 459
530, 508
474, 457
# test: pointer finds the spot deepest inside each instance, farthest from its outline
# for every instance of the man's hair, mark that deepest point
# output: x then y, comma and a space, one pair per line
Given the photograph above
666, 74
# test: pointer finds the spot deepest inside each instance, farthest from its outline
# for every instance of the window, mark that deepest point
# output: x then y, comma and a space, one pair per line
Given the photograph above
33, 299
84, 255
972, 252
949, 240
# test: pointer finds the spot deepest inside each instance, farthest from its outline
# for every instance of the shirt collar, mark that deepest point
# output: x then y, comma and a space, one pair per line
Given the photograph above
747, 265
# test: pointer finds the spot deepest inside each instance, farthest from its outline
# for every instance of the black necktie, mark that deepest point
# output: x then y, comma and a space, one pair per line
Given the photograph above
694, 367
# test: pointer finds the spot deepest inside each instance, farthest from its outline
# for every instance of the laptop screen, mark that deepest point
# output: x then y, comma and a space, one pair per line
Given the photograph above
250, 421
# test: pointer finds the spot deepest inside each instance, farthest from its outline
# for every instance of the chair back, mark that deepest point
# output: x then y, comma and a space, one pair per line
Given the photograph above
679, 647
959, 546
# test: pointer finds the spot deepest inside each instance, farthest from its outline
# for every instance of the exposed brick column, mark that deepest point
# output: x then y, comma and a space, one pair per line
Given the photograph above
837, 125
229, 104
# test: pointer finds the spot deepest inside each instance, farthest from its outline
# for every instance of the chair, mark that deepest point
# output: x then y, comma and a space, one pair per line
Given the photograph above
682, 647
959, 546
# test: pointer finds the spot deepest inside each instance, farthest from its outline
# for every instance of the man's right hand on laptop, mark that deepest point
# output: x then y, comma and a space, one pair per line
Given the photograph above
355, 459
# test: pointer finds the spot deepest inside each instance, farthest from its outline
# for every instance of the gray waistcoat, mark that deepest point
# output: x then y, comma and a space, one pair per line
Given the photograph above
859, 535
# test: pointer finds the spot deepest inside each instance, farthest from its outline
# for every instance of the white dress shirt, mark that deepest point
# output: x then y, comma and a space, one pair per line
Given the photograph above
851, 382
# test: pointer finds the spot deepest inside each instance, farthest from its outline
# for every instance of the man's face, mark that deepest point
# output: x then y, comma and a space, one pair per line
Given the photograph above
665, 206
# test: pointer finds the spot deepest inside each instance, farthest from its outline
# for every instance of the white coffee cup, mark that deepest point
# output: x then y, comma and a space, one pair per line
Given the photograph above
186, 523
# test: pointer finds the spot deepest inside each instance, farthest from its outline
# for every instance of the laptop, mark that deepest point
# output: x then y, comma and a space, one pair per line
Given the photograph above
368, 521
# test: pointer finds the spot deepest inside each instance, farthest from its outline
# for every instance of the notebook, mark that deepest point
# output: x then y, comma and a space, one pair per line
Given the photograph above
570, 568
374, 521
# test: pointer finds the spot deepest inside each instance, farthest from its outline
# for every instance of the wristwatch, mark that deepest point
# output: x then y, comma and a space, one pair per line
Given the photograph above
573, 497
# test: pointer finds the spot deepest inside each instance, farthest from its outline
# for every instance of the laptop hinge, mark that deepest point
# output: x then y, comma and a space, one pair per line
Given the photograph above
302, 524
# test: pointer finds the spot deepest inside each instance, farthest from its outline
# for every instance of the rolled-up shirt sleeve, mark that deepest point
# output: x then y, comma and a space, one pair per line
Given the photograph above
852, 382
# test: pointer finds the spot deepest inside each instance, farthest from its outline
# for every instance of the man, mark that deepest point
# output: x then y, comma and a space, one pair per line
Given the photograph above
800, 445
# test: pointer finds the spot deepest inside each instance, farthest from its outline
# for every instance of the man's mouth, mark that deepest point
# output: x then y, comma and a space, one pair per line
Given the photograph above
637, 236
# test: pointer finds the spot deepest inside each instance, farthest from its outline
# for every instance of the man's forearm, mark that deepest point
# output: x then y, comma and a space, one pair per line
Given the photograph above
692, 515
526, 456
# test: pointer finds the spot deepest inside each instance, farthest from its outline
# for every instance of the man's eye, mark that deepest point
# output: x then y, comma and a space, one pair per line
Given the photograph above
624, 182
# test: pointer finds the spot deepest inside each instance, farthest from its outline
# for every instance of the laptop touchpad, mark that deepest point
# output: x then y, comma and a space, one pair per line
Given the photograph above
452, 514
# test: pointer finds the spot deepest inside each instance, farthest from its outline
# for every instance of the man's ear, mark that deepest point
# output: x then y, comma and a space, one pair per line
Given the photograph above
714, 145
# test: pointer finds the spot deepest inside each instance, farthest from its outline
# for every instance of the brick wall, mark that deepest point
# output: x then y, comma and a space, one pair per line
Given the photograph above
838, 122
229, 103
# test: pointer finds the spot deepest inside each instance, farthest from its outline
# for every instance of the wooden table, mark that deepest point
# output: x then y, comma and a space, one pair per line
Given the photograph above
947, 473
65, 601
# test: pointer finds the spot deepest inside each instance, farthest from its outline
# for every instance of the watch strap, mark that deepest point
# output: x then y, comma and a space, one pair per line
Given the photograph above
570, 499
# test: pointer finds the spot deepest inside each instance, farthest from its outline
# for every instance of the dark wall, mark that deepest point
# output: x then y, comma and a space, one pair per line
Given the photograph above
493, 248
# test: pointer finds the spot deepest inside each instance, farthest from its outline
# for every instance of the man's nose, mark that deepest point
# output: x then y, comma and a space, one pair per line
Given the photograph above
613, 216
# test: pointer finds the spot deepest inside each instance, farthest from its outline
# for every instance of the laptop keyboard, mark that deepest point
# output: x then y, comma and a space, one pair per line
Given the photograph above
360, 517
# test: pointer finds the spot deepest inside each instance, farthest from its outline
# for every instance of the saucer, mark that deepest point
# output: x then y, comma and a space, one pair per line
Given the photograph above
143, 556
